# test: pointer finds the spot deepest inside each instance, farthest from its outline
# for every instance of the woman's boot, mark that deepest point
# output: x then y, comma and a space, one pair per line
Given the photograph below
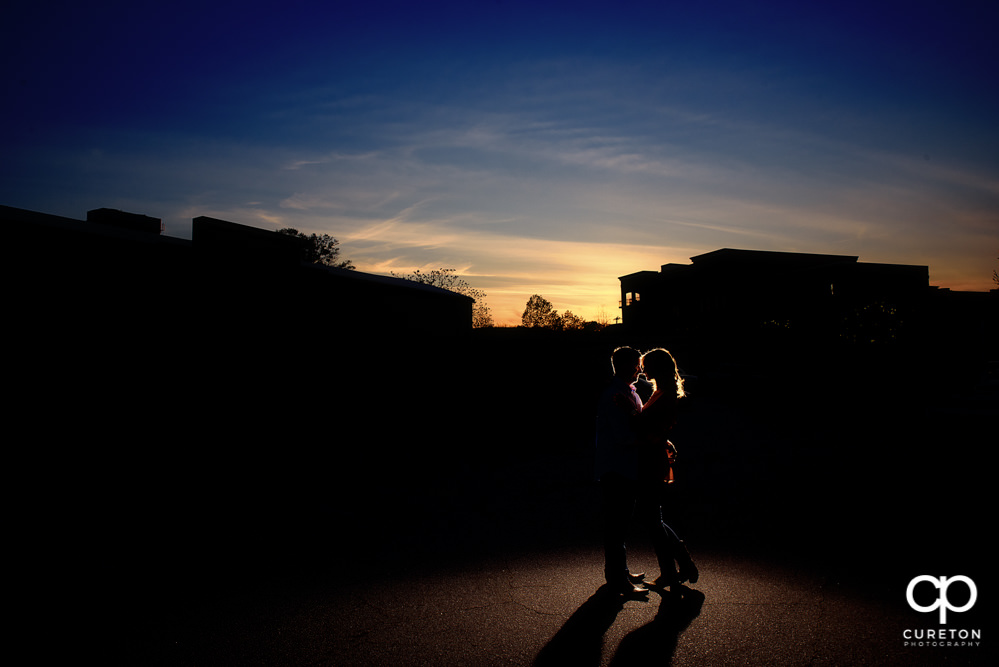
688, 571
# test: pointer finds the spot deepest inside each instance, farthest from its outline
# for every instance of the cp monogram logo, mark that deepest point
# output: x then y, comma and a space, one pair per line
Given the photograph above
942, 583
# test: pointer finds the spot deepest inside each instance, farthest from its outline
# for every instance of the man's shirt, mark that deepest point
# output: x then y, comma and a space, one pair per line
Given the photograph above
616, 450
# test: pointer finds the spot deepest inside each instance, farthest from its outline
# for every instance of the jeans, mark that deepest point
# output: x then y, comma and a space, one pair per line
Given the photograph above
625, 499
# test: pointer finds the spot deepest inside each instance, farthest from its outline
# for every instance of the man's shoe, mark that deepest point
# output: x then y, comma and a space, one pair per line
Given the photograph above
636, 578
629, 589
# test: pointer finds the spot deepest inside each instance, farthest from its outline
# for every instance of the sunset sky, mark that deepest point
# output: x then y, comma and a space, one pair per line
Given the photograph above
537, 147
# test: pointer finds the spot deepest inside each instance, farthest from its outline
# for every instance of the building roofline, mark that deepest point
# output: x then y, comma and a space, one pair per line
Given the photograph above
361, 276
639, 273
11, 215
770, 255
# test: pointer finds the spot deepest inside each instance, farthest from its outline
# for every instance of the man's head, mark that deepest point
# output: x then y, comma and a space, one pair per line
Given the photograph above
627, 363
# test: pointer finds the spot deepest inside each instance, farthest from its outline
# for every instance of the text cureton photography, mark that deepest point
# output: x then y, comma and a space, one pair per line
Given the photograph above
934, 592
942, 637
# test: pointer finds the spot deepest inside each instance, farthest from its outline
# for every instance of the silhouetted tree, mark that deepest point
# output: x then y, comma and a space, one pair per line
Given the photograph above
540, 314
450, 280
481, 317
320, 249
572, 322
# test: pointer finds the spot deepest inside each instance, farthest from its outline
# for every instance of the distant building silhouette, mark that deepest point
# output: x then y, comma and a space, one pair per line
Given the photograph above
125, 220
793, 297
116, 273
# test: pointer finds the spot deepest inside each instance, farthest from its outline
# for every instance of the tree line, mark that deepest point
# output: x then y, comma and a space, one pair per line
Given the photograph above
538, 313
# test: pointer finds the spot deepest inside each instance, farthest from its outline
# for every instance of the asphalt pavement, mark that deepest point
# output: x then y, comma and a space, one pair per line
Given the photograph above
550, 609
479, 544
506, 569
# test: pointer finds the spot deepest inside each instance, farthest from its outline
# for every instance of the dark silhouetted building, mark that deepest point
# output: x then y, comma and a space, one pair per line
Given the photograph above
783, 297
115, 273
176, 354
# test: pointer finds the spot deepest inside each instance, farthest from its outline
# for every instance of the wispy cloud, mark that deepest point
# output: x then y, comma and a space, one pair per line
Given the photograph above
523, 203
549, 165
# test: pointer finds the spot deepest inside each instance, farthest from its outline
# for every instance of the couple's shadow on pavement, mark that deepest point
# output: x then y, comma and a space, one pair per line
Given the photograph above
580, 640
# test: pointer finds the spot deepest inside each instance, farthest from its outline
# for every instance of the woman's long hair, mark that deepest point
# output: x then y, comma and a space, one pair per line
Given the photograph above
659, 364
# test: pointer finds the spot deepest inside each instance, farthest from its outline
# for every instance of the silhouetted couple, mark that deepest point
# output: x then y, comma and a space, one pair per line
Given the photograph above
634, 464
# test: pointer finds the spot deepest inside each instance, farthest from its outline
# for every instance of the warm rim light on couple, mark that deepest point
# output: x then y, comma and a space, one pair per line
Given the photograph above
634, 465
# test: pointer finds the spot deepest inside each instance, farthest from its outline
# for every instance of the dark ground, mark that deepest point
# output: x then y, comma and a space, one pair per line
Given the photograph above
157, 540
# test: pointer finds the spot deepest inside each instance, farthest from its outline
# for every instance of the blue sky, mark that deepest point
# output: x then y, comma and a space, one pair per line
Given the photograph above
544, 147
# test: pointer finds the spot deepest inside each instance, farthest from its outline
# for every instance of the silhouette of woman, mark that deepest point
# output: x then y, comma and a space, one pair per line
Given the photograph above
655, 423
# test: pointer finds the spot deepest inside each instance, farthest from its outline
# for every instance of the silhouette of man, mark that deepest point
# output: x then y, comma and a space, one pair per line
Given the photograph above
617, 463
